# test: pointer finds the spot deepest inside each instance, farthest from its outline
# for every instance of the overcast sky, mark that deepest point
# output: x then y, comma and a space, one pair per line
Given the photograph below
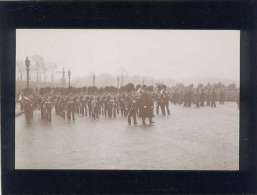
177, 54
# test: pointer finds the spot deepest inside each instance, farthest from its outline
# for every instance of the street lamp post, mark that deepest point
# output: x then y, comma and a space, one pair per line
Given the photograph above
27, 63
69, 75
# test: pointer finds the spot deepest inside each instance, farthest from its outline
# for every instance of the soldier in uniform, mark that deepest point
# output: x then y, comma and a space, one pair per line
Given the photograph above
222, 96
213, 98
28, 109
89, 105
43, 109
84, 106
162, 104
132, 110
158, 102
166, 103
94, 108
197, 98
202, 98
238, 100
122, 106
62, 108
175, 97
146, 105
71, 109
48, 110
208, 97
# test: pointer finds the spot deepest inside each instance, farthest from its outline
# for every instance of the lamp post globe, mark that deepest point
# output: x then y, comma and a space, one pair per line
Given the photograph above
27, 62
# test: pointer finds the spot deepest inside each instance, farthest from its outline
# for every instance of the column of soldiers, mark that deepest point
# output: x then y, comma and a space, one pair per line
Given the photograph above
199, 97
139, 104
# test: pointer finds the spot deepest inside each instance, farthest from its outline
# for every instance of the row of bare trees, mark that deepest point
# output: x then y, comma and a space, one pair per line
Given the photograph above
39, 69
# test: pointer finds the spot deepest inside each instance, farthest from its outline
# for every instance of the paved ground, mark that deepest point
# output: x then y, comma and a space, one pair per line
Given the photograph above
189, 139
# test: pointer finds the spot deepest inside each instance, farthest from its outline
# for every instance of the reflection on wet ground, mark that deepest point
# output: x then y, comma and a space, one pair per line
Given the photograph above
190, 139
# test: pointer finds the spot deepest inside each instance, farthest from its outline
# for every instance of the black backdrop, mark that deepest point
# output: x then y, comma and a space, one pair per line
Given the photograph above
239, 15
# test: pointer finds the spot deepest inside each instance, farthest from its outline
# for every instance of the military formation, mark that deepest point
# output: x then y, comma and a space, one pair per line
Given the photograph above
140, 104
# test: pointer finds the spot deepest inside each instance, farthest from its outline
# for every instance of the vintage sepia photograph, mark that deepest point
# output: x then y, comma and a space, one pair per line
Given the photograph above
119, 99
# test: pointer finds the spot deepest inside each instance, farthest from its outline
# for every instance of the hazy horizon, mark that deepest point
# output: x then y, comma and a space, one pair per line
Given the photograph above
174, 54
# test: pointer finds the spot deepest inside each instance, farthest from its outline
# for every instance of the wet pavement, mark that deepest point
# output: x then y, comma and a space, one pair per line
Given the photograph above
188, 139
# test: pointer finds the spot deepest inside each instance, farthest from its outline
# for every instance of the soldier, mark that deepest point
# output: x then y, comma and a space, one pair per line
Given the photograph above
28, 109
238, 100
43, 109
162, 104
71, 109
48, 110
158, 103
93, 108
105, 106
98, 106
175, 97
81, 108
115, 107
57, 106
202, 98
84, 106
187, 97
208, 97
146, 105
89, 105
166, 103
62, 108
197, 98
122, 106
109, 107
222, 96
76, 104
132, 111
213, 98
